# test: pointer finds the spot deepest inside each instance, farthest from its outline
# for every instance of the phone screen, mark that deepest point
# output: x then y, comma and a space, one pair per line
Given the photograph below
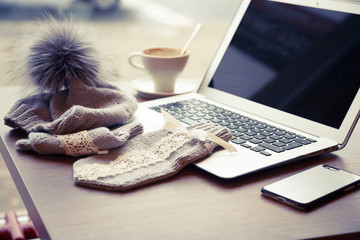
305, 189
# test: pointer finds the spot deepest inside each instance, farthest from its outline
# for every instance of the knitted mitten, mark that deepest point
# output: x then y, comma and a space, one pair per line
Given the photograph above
146, 158
90, 142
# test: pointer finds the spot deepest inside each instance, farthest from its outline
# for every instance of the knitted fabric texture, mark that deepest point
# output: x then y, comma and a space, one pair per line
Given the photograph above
80, 143
75, 103
145, 159
78, 108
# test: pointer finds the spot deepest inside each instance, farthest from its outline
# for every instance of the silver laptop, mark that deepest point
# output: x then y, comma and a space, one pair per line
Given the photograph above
285, 81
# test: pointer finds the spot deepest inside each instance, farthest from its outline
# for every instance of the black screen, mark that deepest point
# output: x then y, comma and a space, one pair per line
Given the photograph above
302, 60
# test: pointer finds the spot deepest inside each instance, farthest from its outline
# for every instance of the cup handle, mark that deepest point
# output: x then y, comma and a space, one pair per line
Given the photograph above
134, 63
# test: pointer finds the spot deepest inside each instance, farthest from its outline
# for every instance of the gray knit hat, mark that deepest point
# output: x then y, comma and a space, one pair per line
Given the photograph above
68, 67
74, 92
78, 108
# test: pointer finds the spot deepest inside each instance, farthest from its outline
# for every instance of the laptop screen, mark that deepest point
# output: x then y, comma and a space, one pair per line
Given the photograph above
301, 60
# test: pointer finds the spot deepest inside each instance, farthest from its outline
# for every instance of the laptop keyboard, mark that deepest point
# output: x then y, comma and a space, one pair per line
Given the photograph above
247, 132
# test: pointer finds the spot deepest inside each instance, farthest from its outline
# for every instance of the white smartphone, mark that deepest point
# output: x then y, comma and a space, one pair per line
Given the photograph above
309, 188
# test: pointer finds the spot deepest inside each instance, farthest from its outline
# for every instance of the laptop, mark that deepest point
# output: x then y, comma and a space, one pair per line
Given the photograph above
286, 70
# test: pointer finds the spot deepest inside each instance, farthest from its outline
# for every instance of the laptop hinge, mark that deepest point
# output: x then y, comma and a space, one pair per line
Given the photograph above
346, 140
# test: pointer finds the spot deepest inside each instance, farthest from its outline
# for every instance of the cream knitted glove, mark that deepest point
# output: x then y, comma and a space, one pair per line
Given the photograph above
146, 158
83, 143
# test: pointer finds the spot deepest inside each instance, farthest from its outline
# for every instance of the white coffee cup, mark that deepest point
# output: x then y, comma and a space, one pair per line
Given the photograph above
164, 64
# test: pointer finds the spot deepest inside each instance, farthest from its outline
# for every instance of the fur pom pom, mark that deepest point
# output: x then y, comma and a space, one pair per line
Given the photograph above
52, 53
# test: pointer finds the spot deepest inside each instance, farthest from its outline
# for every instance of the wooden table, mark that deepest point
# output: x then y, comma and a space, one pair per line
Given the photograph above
191, 205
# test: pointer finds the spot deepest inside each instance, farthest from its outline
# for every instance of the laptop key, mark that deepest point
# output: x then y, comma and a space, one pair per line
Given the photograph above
241, 129
214, 114
289, 136
260, 137
265, 153
215, 120
246, 137
302, 141
257, 149
188, 115
178, 117
266, 134
238, 141
156, 108
245, 145
275, 137
269, 140
311, 140
222, 123
206, 111
238, 123
232, 127
192, 111
250, 133
271, 147
257, 130
270, 129
279, 132
255, 141
237, 134
292, 146
195, 118
279, 144
285, 140
227, 113
207, 117
189, 121
248, 127
200, 114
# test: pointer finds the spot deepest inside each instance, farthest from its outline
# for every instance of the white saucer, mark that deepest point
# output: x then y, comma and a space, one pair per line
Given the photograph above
145, 87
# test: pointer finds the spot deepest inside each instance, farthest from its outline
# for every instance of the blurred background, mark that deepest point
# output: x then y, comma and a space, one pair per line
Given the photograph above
172, 20
173, 12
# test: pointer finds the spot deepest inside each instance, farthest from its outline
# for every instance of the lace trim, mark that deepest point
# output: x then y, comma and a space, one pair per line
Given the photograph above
135, 159
173, 125
78, 144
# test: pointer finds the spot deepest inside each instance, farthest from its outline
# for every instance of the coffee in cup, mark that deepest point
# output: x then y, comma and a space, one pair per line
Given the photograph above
164, 64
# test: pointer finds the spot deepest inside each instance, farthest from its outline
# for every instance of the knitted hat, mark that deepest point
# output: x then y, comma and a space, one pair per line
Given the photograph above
146, 158
78, 108
63, 61
73, 76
